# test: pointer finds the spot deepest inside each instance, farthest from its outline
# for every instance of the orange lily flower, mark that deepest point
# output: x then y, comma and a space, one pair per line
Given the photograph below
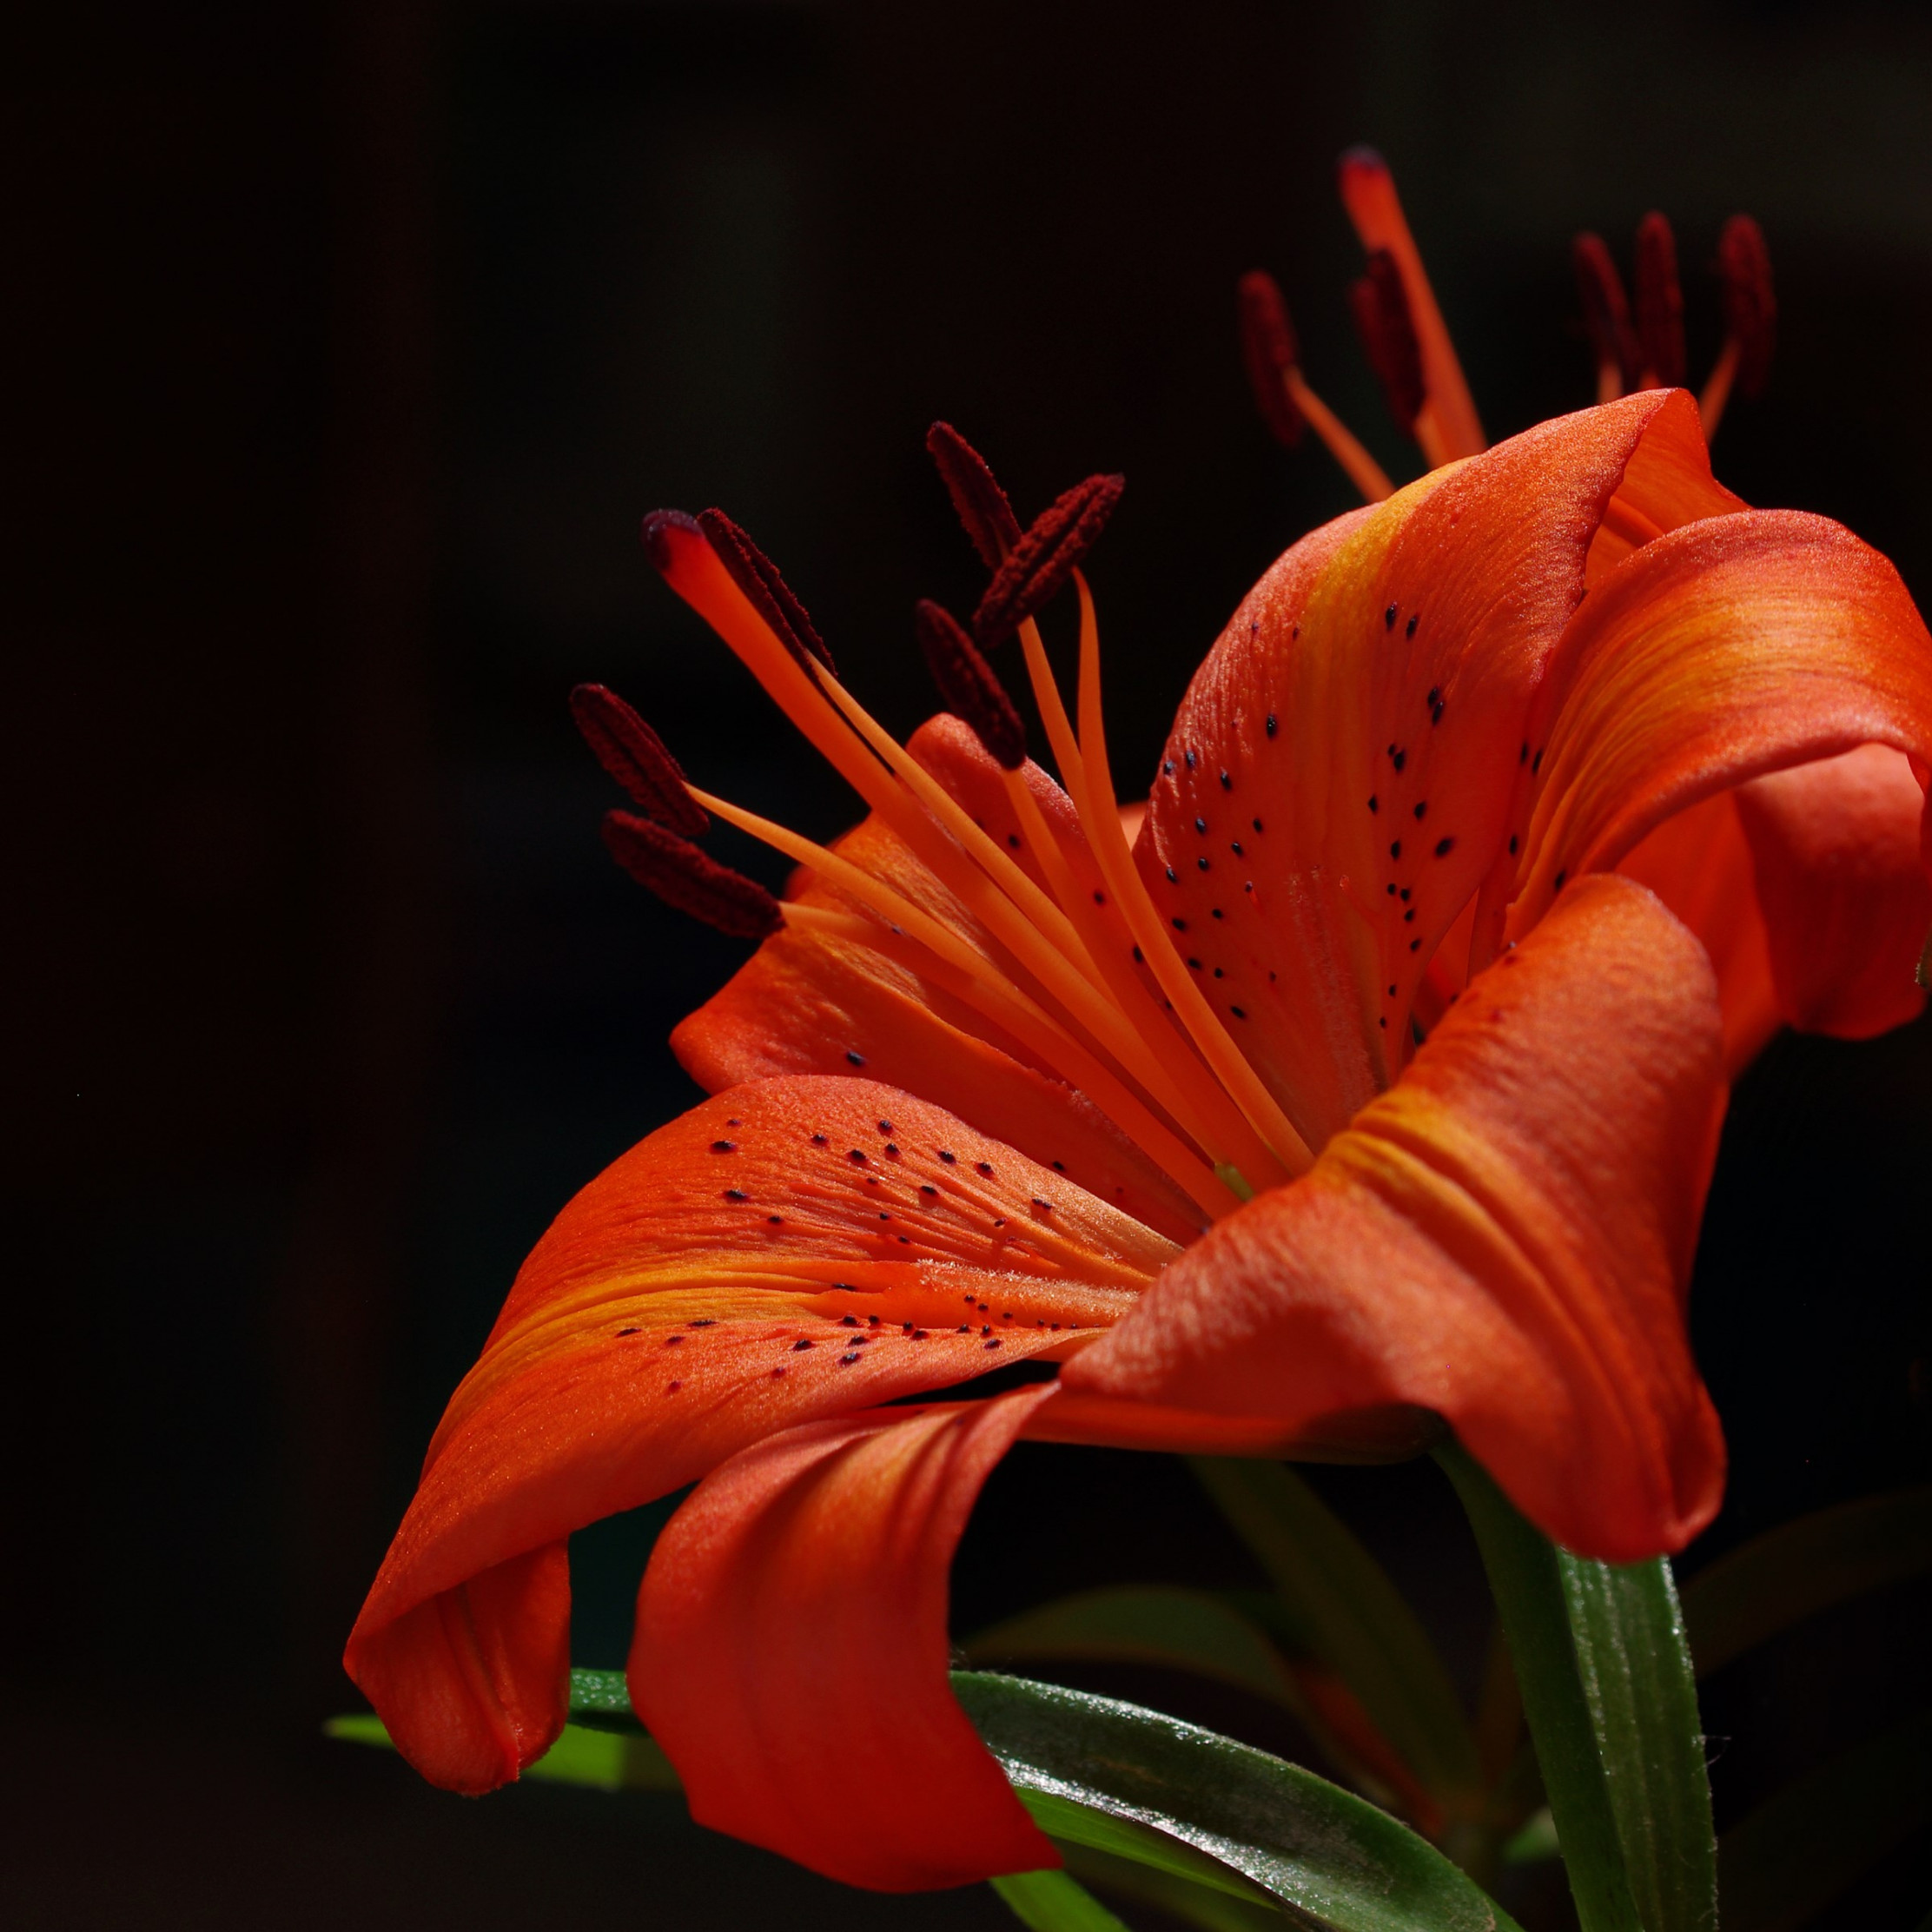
1360, 1094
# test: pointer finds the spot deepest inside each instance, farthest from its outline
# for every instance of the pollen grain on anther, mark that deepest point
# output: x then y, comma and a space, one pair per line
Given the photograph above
638, 758
1659, 302
981, 504
1381, 308
1605, 316
1751, 309
668, 864
769, 594
969, 685
1269, 353
1045, 557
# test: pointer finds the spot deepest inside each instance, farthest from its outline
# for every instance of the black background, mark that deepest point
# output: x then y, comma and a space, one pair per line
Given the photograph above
343, 346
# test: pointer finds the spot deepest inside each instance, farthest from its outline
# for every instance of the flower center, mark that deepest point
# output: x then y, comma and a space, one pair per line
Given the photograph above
1083, 976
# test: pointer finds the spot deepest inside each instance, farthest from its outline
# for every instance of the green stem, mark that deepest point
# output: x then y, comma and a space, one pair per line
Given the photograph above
1528, 1582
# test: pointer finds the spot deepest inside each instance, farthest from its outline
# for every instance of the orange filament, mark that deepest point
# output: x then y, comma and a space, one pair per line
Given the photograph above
1085, 1007
1244, 1085
1033, 929
1363, 471
1037, 1031
1097, 1016
1716, 389
1232, 1131
1368, 193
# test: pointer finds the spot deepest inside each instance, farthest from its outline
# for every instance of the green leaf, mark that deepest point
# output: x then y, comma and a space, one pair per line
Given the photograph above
1051, 1901
1526, 1580
1792, 1573
1535, 1842
1357, 1622
1069, 1820
1798, 1850
1198, 1905
1336, 1861
1635, 1664
1214, 1636
600, 1700
604, 1760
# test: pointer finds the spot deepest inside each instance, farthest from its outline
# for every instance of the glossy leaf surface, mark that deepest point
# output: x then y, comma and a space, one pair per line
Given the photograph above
1635, 1666
1525, 1577
1207, 1907
1336, 1861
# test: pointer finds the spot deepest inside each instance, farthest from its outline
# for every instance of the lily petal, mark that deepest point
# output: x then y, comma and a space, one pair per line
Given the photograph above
792, 1250
1734, 647
1699, 864
1808, 890
1836, 847
790, 1651
807, 1002
1344, 769
1504, 1237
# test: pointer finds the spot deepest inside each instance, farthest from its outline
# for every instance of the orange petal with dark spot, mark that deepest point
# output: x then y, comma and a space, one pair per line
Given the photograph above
771, 1257
1505, 1238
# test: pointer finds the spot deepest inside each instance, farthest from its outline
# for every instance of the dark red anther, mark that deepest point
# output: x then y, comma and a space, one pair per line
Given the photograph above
1659, 301
636, 757
968, 685
977, 497
757, 577
1388, 332
685, 877
1605, 310
1044, 558
1268, 352
1750, 310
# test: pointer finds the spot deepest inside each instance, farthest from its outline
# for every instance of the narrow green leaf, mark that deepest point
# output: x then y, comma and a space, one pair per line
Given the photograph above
1197, 1905
1794, 1571
1336, 1861
1634, 1663
1357, 1622
1051, 1901
604, 1760
1798, 1850
1214, 1636
1071, 1821
1526, 1580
